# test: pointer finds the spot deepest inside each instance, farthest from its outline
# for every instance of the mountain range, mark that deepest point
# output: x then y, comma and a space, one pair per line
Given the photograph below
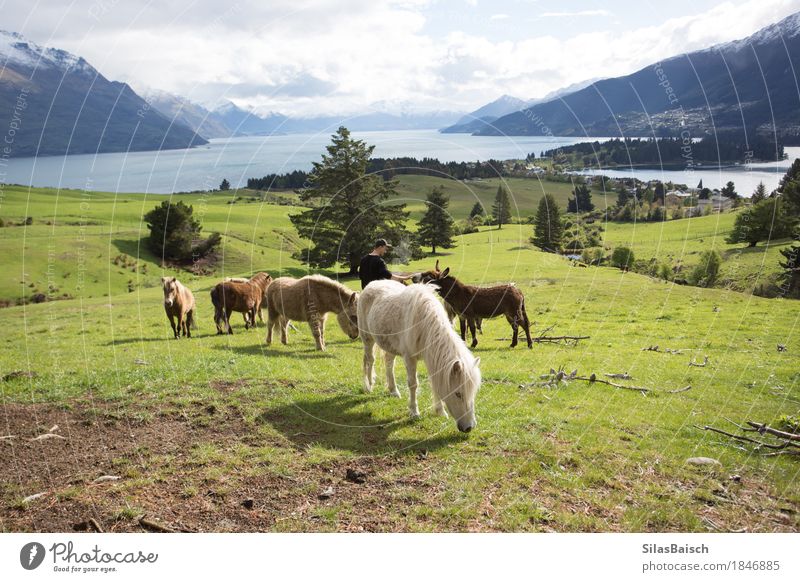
484, 116
742, 87
56, 103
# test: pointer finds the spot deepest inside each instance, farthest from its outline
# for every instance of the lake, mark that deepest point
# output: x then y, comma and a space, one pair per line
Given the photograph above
240, 158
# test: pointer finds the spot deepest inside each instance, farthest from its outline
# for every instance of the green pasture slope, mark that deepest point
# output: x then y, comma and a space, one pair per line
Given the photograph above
195, 428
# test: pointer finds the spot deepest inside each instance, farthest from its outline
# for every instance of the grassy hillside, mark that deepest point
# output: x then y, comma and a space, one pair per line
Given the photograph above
194, 428
680, 242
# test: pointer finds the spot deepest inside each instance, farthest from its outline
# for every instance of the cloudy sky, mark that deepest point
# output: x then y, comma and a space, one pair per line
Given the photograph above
314, 57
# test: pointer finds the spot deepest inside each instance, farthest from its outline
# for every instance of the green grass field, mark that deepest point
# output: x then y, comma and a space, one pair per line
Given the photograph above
223, 433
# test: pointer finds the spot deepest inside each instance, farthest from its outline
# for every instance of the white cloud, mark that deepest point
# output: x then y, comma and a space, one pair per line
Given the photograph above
577, 13
314, 57
498, 17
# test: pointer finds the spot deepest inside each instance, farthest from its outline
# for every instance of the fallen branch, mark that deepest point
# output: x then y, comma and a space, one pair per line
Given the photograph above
784, 443
763, 428
552, 379
554, 339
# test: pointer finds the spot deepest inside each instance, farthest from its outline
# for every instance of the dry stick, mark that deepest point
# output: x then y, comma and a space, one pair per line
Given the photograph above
155, 526
594, 378
745, 439
95, 525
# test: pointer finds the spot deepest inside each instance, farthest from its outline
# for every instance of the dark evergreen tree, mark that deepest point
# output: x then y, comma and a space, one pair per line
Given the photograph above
623, 196
350, 208
759, 194
581, 200
548, 229
477, 210
729, 191
790, 277
436, 226
766, 220
501, 209
659, 193
225, 185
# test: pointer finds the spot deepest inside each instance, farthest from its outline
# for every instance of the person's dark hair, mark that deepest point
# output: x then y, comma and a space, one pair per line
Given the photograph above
381, 242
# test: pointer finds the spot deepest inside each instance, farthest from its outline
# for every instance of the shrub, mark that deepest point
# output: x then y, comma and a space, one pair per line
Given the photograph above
706, 272
622, 258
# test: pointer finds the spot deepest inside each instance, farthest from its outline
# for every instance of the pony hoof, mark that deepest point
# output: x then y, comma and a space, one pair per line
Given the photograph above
414, 415
474, 345
394, 394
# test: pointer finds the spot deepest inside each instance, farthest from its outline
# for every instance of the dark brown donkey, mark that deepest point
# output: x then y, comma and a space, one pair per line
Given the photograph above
244, 297
476, 303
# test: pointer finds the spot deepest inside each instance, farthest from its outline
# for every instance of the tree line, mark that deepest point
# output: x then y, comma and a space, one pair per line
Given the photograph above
388, 168
668, 150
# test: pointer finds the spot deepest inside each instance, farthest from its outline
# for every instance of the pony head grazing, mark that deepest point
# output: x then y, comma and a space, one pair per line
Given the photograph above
170, 286
462, 383
348, 317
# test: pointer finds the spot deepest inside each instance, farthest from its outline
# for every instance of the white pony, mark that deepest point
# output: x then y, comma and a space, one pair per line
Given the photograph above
409, 321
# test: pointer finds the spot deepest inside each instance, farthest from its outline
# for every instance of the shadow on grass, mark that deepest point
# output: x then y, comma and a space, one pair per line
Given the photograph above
345, 422
261, 349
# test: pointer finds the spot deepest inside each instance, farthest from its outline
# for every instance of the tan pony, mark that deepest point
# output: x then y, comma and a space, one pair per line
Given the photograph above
179, 304
310, 299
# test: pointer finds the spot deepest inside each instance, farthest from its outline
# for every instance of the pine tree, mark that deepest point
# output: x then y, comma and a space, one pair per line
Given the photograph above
729, 191
622, 195
759, 194
791, 269
225, 185
548, 229
349, 209
501, 210
581, 200
436, 226
766, 220
477, 210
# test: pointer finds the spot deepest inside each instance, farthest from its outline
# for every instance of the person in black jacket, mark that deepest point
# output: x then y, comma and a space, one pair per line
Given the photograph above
373, 268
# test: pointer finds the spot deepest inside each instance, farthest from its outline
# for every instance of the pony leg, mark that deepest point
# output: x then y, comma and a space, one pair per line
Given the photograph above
411, 372
472, 331
526, 325
390, 381
369, 363
515, 329
317, 325
284, 323
172, 323
272, 321
188, 323
463, 323
181, 328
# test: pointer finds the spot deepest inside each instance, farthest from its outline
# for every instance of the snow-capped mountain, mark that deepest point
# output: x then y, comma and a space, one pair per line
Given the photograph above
60, 104
741, 87
200, 120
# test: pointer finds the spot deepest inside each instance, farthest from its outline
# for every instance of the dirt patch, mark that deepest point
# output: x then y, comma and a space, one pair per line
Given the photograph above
111, 466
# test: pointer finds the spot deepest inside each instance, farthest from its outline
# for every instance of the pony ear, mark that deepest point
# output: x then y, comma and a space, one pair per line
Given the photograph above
477, 362
444, 273
456, 369
353, 298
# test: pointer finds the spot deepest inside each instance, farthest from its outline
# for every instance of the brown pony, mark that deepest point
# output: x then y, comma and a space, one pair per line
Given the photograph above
244, 297
179, 304
310, 299
472, 304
